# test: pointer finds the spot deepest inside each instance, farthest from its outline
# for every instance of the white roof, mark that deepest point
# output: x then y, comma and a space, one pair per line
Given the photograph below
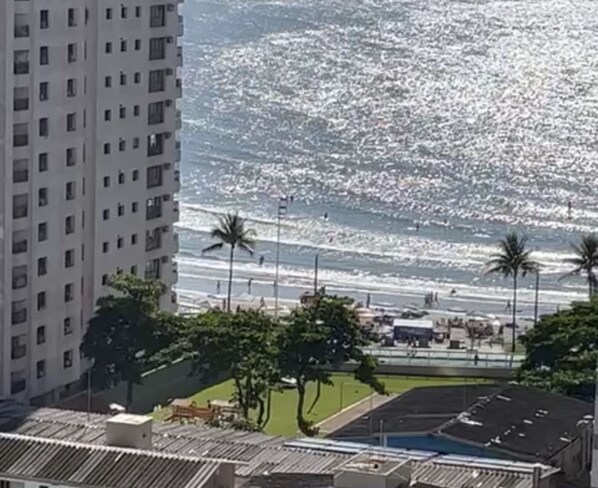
416, 324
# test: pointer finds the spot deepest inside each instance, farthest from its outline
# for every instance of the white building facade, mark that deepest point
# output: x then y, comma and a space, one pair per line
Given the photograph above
88, 173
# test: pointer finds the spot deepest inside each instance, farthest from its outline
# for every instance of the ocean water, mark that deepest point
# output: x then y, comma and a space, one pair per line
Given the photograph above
424, 129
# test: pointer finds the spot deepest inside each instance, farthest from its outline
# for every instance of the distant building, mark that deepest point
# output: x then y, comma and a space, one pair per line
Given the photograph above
88, 173
506, 422
62, 448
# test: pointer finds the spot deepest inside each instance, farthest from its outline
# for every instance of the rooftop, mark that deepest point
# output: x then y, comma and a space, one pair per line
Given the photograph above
513, 418
69, 463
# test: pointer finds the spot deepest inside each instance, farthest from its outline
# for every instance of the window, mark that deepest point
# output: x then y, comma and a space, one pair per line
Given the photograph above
19, 277
123, 46
136, 110
155, 144
42, 162
155, 113
71, 87
19, 242
153, 239
41, 334
107, 148
122, 112
40, 368
21, 62
106, 214
105, 279
20, 206
69, 292
135, 142
42, 197
43, 19
43, 91
119, 243
20, 171
41, 300
121, 210
134, 207
107, 115
153, 208
71, 17
106, 181
135, 174
21, 25
133, 239
122, 145
71, 50
42, 232
70, 190
42, 266
121, 178
108, 81
69, 225
108, 48
20, 98
123, 79
105, 247
157, 16
18, 312
67, 359
154, 176
20, 135
43, 56
152, 269
69, 258
18, 347
108, 14
67, 326
43, 127
157, 80
71, 156
157, 48
137, 78
137, 11
133, 270
137, 44
123, 12
71, 122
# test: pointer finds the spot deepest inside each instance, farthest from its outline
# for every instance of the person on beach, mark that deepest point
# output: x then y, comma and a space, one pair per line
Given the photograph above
508, 307
218, 287
262, 259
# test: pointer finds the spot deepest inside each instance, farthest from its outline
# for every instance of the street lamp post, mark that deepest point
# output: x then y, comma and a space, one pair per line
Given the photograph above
536, 298
316, 264
283, 206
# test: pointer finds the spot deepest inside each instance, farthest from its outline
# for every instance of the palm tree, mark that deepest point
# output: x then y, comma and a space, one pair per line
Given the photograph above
232, 232
512, 260
585, 260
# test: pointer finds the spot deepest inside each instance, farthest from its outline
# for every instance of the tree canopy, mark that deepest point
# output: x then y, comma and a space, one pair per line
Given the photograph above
562, 350
126, 330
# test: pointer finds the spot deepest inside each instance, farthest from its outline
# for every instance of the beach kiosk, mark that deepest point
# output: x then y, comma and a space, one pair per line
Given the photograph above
406, 330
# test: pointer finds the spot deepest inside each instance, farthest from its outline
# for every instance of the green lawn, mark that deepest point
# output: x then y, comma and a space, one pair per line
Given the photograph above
345, 392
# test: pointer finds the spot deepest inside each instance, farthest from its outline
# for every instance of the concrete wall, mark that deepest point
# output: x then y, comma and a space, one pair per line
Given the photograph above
469, 372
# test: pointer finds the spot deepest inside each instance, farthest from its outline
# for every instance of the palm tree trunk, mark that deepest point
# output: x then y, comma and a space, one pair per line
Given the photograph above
514, 312
230, 278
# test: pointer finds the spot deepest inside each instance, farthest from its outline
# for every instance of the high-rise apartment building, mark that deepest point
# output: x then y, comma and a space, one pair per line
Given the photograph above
88, 172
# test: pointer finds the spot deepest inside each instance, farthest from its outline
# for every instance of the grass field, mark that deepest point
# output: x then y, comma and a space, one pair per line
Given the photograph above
345, 391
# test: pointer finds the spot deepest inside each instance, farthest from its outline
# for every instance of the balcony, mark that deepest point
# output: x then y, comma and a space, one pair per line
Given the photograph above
155, 118
18, 317
175, 211
18, 386
20, 140
153, 212
179, 56
175, 270
18, 352
19, 282
21, 30
20, 176
21, 67
181, 26
179, 120
20, 104
19, 212
177, 151
153, 241
179, 88
19, 247
175, 240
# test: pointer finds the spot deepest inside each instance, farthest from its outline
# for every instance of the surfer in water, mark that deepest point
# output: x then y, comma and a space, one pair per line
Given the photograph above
569, 209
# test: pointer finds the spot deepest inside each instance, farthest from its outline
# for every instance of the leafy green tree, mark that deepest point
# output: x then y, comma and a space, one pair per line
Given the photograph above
246, 345
562, 350
231, 231
585, 261
325, 334
512, 260
126, 330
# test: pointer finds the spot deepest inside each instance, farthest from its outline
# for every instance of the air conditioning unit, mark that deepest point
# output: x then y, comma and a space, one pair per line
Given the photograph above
168, 103
167, 135
166, 198
165, 229
169, 40
169, 71
167, 166
170, 7
164, 259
